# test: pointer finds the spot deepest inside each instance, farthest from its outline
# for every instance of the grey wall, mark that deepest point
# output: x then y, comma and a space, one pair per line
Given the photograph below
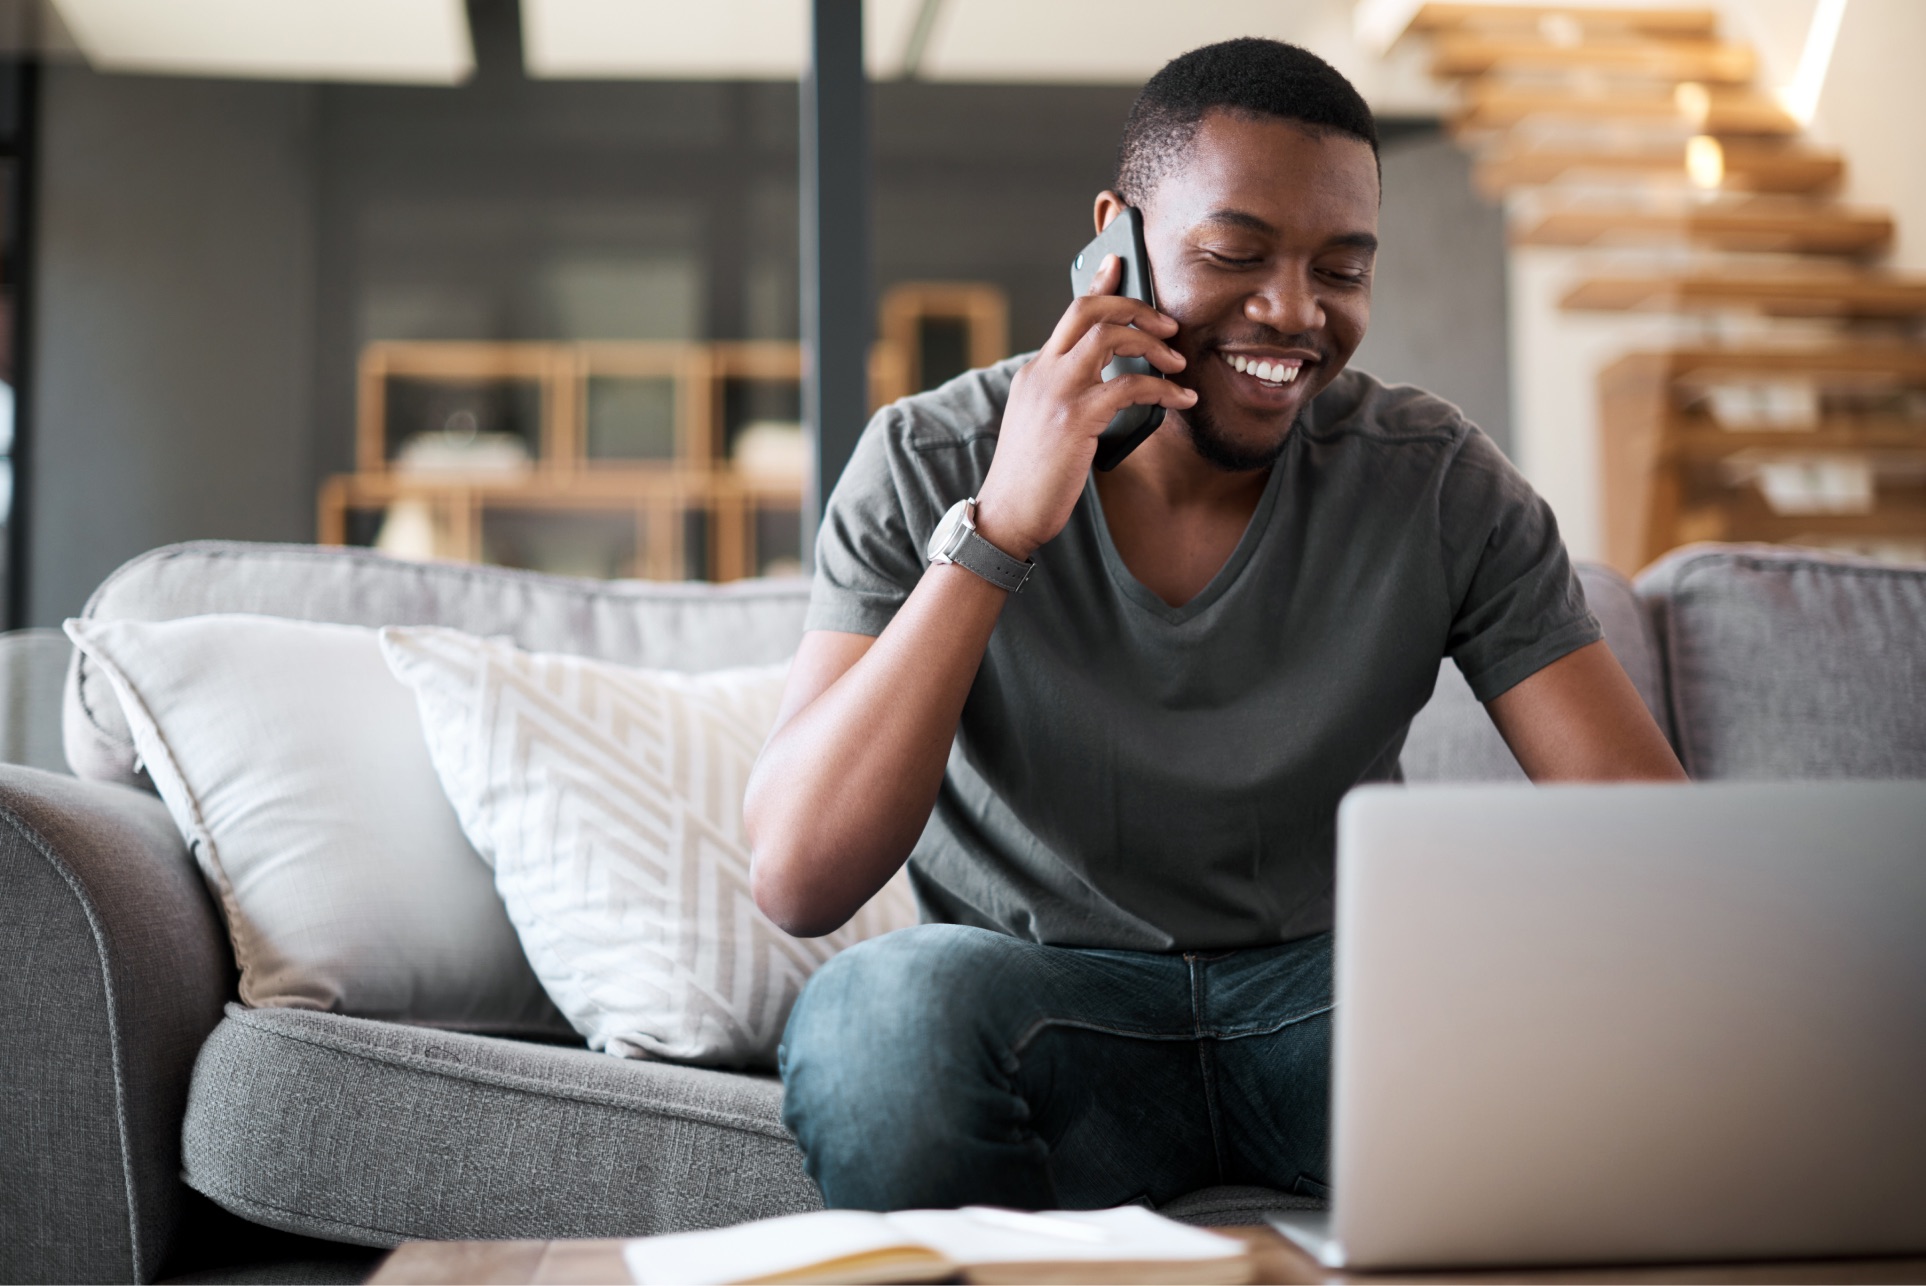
481, 212
174, 323
1438, 302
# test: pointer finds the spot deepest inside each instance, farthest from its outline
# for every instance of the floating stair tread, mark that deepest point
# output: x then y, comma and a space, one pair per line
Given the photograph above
1850, 365
1698, 442
1747, 167
1784, 295
1896, 513
1675, 23
1491, 105
1699, 60
1780, 295
1818, 230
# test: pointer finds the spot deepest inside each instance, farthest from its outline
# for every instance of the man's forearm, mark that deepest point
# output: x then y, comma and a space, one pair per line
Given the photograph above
845, 786
1580, 719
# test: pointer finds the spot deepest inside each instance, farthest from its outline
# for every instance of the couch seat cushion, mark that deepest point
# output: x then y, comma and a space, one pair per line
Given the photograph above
375, 1133
1790, 664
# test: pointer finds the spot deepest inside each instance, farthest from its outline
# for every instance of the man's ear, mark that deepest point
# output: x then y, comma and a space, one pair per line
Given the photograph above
1109, 206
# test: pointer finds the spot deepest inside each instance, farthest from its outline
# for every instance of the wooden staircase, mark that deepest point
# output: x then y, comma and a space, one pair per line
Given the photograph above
1763, 225
1748, 165
1791, 404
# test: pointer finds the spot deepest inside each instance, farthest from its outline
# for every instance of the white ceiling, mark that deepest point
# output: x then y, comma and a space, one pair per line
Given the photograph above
1037, 41
1117, 42
410, 41
694, 39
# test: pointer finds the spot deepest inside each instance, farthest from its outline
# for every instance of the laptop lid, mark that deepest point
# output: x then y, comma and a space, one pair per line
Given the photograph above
1630, 1023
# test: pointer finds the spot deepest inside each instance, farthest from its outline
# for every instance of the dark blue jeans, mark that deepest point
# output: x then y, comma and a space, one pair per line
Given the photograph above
946, 1066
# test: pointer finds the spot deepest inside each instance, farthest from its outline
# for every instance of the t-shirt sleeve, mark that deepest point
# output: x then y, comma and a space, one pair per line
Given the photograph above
868, 550
1517, 604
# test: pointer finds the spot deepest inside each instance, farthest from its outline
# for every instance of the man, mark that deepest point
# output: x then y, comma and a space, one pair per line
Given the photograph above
1117, 788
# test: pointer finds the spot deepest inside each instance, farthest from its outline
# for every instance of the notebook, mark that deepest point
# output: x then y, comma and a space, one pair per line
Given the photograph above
979, 1244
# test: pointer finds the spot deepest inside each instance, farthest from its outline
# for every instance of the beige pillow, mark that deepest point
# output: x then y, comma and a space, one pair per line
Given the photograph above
294, 765
609, 800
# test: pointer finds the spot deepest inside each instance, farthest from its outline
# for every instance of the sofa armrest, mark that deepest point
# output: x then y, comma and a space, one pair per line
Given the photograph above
113, 970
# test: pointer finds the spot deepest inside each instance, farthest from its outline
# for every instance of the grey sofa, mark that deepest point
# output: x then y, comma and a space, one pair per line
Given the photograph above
146, 1111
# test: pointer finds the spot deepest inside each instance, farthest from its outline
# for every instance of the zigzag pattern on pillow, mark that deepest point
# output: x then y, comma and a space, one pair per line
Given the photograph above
609, 801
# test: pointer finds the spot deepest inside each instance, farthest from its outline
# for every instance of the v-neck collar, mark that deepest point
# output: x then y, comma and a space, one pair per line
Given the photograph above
1143, 596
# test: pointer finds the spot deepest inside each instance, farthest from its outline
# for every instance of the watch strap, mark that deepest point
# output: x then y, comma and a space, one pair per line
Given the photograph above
989, 562
958, 541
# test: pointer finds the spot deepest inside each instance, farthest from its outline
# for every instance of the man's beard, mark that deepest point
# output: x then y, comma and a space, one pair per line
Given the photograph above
1211, 442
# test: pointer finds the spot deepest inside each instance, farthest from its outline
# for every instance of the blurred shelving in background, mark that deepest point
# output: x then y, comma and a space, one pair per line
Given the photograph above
657, 459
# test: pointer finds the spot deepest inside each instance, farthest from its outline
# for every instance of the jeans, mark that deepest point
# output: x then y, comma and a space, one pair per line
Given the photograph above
942, 1066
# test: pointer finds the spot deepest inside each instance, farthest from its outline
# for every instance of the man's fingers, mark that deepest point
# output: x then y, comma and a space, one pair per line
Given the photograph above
1105, 341
1142, 390
1109, 277
1121, 309
1090, 310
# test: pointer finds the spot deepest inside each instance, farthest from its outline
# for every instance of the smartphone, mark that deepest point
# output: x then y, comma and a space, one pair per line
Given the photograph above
1125, 239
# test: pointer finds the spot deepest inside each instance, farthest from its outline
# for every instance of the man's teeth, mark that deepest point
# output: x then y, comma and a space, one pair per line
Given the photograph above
1269, 372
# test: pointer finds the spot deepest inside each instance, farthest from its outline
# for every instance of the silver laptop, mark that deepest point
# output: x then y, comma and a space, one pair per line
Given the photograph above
1612, 1024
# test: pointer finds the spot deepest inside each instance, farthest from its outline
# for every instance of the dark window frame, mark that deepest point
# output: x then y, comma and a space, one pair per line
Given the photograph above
19, 137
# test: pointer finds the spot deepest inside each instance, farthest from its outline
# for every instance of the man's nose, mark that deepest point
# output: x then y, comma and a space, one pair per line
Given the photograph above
1287, 303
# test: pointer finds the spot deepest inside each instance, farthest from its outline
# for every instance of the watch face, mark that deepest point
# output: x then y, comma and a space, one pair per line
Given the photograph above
943, 539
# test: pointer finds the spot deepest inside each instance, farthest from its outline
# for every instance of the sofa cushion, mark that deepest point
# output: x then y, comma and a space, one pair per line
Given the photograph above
374, 1133
671, 626
1785, 663
1453, 739
608, 800
295, 767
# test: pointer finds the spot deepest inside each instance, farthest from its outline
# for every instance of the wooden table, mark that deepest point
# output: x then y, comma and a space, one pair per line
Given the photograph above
592, 1262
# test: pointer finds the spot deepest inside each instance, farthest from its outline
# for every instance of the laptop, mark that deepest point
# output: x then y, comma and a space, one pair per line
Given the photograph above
1627, 1023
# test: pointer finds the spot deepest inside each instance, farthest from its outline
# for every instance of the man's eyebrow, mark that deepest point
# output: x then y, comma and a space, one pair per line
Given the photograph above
1239, 218
1244, 219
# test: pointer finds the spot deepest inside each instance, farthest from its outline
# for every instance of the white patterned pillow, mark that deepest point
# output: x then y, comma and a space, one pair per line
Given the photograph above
609, 801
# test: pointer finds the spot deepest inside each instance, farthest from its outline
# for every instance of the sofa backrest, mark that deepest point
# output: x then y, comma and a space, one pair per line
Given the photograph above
669, 625
31, 665
675, 626
1452, 739
1784, 664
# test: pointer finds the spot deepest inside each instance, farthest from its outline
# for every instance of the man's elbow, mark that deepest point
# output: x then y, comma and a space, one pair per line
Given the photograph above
791, 901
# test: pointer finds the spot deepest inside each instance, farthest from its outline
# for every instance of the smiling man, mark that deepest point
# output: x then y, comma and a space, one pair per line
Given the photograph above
1117, 788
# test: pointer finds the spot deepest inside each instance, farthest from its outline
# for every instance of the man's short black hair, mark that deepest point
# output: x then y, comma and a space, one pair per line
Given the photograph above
1247, 77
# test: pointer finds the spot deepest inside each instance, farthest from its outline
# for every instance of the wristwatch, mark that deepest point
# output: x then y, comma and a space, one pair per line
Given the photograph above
955, 540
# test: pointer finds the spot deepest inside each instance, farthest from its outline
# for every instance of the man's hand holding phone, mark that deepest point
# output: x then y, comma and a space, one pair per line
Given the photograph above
1060, 403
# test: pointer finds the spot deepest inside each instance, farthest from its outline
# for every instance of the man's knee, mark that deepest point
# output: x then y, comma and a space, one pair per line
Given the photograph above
892, 1054
888, 1011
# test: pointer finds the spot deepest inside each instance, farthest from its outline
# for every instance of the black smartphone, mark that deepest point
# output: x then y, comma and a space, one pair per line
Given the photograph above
1125, 239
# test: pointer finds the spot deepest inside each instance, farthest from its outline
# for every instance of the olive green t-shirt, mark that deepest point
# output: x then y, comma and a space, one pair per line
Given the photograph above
1134, 775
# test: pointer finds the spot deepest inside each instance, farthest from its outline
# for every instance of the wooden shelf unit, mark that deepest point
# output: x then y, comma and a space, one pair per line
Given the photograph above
458, 505
928, 331
652, 478
1668, 463
469, 366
